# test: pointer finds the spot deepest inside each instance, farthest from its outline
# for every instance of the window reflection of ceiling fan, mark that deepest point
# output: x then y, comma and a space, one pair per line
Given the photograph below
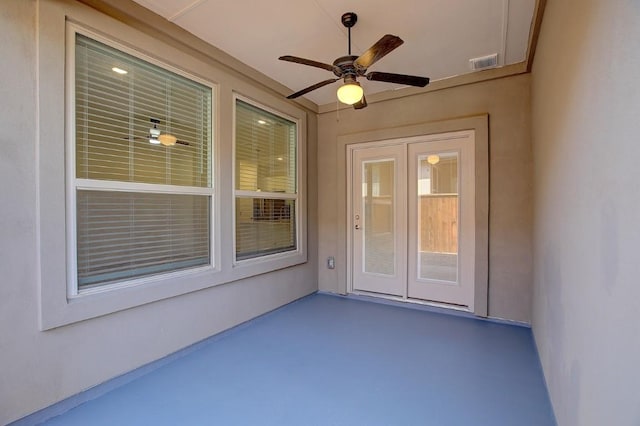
351, 67
156, 137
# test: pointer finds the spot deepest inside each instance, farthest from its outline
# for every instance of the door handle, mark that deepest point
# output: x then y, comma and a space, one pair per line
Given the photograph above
357, 226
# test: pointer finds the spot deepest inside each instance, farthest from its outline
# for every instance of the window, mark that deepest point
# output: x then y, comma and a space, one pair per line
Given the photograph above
266, 183
124, 222
140, 169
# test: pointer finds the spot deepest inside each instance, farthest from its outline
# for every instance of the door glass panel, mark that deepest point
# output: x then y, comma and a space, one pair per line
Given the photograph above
438, 216
378, 205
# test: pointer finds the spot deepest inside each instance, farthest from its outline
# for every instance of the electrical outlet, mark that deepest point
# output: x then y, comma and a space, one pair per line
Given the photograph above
331, 262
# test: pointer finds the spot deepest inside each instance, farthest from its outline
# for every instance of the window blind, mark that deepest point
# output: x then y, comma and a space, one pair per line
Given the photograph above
265, 151
114, 113
123, 235
271, 229
266, 182
124, 229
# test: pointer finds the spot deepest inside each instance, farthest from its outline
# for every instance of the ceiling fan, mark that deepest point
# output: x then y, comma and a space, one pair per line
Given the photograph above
351, 67
156, 137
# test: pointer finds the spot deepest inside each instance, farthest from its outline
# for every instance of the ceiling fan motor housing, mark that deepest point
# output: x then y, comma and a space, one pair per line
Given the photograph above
344, 66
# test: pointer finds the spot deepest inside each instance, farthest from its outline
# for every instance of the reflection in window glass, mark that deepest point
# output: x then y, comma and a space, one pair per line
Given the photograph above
438, 216
264, 226
378, 205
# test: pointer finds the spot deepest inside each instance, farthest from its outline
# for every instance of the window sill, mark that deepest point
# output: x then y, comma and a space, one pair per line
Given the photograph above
57, 311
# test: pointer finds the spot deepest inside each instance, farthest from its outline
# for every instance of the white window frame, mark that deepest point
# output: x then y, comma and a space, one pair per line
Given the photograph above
75, 184
300, 249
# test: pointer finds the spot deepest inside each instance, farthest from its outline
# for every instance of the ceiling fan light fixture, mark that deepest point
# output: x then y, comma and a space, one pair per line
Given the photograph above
154, 132
167, 139
350, 93
433, 159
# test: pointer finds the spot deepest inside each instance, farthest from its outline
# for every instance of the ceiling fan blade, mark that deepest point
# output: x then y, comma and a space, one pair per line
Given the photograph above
309, 62
382, 47
310, 88
409, 80
362, 103
146, 139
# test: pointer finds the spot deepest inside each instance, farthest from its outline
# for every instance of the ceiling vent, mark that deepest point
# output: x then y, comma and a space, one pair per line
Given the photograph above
484, 62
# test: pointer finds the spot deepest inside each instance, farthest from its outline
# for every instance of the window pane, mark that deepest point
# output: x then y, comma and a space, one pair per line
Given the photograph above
113, 120
123, 235
264, 226
378, 205
438, 216
265, 151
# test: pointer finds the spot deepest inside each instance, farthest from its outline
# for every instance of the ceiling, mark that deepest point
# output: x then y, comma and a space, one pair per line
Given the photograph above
440, 36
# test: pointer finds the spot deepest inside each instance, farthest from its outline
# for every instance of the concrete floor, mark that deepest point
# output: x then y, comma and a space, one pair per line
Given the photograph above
327, 360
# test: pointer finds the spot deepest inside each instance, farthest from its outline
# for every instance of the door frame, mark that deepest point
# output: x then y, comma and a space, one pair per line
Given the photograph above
347, 144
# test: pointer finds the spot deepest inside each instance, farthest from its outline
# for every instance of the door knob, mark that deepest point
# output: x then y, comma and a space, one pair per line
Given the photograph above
357, 226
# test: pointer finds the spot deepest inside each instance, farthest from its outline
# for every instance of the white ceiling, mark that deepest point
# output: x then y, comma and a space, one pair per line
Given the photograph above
440, 36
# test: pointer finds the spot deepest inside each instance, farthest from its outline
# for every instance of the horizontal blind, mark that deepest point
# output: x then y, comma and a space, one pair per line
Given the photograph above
264, 226
265, 151
113, 113
122, 235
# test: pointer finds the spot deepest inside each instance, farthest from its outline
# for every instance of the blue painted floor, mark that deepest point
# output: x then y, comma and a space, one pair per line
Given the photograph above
327, 360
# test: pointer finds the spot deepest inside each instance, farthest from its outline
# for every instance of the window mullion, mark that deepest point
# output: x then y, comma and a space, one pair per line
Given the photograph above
262, 194
106, 185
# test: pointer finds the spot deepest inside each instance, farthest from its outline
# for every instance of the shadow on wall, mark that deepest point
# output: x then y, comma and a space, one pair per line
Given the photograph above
609, 242
552, 287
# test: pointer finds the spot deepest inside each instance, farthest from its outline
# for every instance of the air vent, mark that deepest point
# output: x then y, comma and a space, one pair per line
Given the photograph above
484, 62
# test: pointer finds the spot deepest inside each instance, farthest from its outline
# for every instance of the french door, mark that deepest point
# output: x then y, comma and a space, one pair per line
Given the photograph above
379, 223
412, 219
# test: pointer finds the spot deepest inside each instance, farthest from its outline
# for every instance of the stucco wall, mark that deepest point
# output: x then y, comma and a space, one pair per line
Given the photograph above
506, 101
585, 121
39, 368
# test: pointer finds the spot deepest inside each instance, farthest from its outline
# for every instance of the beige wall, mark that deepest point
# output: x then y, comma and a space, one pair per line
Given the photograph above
586, 144
39, 368
507, 103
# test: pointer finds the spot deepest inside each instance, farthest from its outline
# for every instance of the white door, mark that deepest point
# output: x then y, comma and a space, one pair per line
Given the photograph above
441, 219
413, 219
379, 220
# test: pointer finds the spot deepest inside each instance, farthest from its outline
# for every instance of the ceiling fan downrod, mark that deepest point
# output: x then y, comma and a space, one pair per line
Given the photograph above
349, 19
